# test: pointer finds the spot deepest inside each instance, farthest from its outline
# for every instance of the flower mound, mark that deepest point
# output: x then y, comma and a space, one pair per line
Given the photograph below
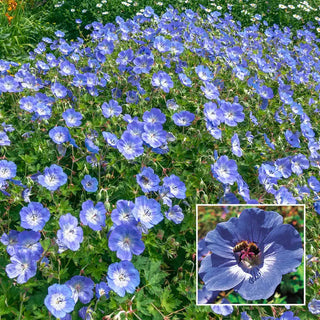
250, 254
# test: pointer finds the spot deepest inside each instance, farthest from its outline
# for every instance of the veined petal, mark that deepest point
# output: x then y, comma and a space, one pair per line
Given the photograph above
224, 273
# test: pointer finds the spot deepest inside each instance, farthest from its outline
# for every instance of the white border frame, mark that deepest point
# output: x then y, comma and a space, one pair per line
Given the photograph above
253, 205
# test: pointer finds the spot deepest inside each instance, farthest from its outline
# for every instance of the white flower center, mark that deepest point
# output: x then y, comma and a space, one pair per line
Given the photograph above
121, 278
58, 301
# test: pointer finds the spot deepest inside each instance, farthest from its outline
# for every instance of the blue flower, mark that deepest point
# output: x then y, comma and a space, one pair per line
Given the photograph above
89, 184
175, 214
293, 138
250, 254
130, 146
232, 113
298, 163
154, 135
102, 289
177, 188
72, 118
224, 310
110, 138
126, 240
314, 306
123, 213
4, 139
154, 116
8, 170
162, 80
205, 296
59, 300
314, 184
10, 240
59, 135
82, 288
123, 277
34, 216
52, 177
70, 235
204, 73
147, 211
183, 118
148, 180
59, 90
317, 207
210, 91
23, 266
213, 114
283, 196
28, 242
111, 109
225, 170
235, 145
92, 215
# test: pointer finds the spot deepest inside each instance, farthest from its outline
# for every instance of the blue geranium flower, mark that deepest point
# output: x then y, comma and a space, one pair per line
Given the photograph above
130, 146
175, 214
224, 310
225, 170
59, 300
293, 138
34, 216
123, 277
147, 211
314, 306
204, 73
250, 254
126, 240
183, 118
232, 113
59, 135
154, 116
154, 135
235, 145
89, 184
23, 266
162, 80
72, 118
70, 235
123, 213
8, 170
102, 289
111, 109
52, 177
213, 114
298, 163
28, 242
82, 288
314, 184
177, 188
148, 180
92, 215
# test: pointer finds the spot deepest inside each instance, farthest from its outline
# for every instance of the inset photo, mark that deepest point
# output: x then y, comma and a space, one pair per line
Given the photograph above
250, 254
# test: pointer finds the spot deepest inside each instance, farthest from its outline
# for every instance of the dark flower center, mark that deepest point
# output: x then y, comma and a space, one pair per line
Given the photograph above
248, 253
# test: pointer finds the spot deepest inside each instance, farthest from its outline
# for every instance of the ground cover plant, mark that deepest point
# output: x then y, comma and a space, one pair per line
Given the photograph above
109, 141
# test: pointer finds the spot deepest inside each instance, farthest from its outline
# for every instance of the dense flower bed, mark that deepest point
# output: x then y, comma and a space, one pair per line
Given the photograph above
109, 141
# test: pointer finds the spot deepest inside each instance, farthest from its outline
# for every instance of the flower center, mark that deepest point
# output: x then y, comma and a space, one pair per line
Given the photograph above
248, 254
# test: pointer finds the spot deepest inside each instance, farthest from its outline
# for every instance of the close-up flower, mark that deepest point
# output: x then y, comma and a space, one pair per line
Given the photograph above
250, 254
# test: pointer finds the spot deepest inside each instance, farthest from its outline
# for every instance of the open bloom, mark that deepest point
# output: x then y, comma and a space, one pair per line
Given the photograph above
250, 254
59, 300
123, 277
